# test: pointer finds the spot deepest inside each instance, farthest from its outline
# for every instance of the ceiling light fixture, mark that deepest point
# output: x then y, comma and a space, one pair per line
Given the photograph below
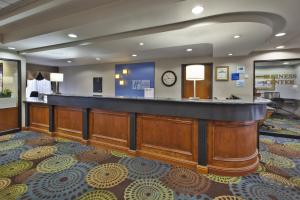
189, 50
236, 36
280, 47
98, 58
197, 10
72, 35
69, 61
280, 34
85, 43
134, 55
286, 63
11, 48
229, 54
141, 44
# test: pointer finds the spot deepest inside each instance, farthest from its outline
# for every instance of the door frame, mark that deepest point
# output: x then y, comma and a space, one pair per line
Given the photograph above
19, 98
212, 76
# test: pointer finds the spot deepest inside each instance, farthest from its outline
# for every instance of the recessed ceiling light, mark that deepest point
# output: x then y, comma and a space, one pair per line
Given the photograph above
280, 47
197, 10
230, 54
189, 50
134, 55
236, 36
85, 43
72, 35
11, 48
98, 58
280, 34
69, 61
286, 63
141, 44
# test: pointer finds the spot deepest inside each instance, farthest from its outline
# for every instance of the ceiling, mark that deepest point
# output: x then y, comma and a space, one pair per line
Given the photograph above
6, 3
112, 29
277, 63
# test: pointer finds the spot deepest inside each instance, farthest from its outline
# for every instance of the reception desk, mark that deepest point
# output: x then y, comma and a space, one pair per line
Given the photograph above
208, 135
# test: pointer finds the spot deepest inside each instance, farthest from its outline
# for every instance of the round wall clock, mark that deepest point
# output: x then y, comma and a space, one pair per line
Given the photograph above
169, 78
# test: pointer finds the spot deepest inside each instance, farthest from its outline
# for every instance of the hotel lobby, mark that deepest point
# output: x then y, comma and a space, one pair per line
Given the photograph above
149, 100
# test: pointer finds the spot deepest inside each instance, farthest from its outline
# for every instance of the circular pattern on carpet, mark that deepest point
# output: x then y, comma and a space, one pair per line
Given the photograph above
4, 182
11, 155
71, 148
66, 184
21, 178
224, 179
14, 168
11, 144
140, 168
254, 187
98, 195
276, 170
93, 156
148, 189
227, 197
26, 135
189, 197
38, 152
186, 181
285, 151
106, 175
41, 141
275, 179
295, 181
267, 140
277, 161
293, 145
62, 140
5, 137
118, 154
13, 192
260, 168
56, 164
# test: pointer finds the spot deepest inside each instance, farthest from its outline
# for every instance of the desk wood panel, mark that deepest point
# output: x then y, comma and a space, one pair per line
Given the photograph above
39, 117
8, 118
68, 122
110, 129
168, 138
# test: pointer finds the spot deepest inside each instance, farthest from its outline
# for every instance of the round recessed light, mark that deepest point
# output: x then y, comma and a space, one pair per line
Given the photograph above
85, 43
280, 47
134, 55
236, 36
286, 63
229, 54
280, 34
72, 35
11, 48
197, 10
69, 61
189, 50
98, 58
141, 44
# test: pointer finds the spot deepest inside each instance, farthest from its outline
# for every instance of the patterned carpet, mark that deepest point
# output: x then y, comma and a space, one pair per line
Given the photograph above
37, 167
282, 126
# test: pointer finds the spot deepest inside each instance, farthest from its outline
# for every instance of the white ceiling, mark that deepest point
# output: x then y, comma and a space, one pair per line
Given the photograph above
114, 28
5, 3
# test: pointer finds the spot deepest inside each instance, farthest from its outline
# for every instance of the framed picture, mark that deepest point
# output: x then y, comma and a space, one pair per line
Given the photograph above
222, 73
1, 77
97, 85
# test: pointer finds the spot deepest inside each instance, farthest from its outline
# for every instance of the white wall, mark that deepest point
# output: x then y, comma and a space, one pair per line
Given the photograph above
78, 79
14, 56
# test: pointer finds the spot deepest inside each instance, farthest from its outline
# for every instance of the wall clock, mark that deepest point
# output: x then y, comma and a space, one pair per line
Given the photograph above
169, 78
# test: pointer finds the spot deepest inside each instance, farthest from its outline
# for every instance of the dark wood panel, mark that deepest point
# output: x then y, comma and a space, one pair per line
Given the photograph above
167, 138
68, 122
39, 117
8, 118
109, 128
232, 147
204, 88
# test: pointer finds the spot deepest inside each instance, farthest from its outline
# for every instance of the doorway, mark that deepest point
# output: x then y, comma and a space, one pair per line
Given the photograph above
203, 88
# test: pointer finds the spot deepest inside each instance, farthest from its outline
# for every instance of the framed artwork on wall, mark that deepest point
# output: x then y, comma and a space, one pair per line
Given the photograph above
1, 77
222, 73
97, 84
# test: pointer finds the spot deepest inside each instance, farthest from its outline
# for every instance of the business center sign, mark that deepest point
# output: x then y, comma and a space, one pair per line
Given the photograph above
280, 79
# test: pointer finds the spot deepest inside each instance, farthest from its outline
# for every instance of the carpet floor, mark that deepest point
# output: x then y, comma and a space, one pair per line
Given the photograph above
37, 167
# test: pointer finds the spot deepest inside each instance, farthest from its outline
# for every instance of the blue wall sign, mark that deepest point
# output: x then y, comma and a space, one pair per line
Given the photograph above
235, 76
140, 76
